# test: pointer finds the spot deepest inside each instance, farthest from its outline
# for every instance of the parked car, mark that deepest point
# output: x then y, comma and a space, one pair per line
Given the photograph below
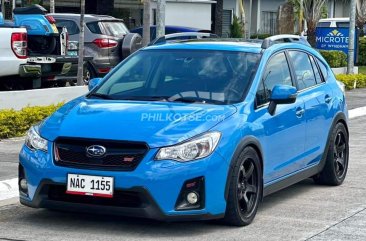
192, 130
170, 29
107, 41
31, 49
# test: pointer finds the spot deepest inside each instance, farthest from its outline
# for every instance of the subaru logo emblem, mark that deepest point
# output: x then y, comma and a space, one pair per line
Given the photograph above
96, 151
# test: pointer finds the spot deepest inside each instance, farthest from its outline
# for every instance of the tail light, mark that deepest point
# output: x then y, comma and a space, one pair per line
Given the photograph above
105, 43
19, 44
104, 70
51, 19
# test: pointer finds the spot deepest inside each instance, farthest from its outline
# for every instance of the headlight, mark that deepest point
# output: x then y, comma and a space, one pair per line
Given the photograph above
197, 148
34, 141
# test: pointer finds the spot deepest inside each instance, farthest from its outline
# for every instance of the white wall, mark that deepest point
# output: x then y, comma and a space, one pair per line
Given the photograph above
271, 5
42, 97
188, 14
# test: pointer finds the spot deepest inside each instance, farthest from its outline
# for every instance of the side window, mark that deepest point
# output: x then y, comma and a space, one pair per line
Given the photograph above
72, 27
303, 69
94, 27
318, 77
323, 69
277, 72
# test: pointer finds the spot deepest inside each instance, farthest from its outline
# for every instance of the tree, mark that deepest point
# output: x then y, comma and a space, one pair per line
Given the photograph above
242, 17
52, 6
160, 21
236, 29
313, 11
146, 23
80, 75
361, 15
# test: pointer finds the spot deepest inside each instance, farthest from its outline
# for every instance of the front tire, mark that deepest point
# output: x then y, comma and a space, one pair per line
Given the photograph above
336, 164
245, 190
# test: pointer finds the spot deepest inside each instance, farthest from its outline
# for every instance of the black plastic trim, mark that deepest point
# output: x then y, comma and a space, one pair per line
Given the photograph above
247, 141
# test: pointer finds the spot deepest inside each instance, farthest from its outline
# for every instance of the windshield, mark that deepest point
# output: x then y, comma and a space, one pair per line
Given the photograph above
218, 77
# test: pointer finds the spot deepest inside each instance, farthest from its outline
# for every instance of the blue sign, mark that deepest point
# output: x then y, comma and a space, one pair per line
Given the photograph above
334, 39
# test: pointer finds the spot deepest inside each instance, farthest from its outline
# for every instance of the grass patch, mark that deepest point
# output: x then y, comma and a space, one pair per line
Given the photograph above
362, 69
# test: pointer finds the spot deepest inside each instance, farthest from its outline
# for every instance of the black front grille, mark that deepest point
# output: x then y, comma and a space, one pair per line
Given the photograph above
120, 155
120, 198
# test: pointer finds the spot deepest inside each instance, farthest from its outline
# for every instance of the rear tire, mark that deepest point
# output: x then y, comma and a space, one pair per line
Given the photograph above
245, 189
89, 73
336, 164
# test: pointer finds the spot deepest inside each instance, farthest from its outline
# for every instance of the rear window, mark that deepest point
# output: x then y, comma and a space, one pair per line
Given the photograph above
71, 26
115, 29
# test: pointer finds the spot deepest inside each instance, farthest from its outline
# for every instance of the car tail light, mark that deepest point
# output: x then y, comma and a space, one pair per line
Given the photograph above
104, 70
19, 44
51, 19
105, 43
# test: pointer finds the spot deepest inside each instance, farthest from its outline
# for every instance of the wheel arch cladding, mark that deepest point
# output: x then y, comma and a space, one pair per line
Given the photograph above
249, 141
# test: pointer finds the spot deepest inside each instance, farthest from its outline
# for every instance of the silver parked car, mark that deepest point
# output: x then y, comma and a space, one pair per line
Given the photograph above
107, 41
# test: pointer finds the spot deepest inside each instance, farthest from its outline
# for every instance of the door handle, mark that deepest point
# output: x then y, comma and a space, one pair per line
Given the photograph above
328, 99
300, 112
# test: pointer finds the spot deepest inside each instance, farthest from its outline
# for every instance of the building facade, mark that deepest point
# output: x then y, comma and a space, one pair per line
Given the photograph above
260, 15
190, 13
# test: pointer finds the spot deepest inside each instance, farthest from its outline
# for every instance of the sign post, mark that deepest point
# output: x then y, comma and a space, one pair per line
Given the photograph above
334, 38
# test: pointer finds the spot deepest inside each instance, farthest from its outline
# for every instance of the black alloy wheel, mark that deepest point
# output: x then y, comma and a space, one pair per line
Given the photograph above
245, 188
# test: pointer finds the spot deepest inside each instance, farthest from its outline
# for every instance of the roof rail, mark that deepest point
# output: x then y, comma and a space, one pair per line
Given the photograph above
182, 36
268, 42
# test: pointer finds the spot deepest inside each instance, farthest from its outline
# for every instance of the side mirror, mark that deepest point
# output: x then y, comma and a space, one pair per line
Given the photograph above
93, 83
281, 94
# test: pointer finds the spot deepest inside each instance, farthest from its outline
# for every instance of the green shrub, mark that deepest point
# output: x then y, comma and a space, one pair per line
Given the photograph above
16, 123
352, 80
236, 29
334, 58
260, 36
362, 51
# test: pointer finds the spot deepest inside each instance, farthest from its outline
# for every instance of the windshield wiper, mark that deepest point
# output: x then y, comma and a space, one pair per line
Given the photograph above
101, 96
145, 98
197, 100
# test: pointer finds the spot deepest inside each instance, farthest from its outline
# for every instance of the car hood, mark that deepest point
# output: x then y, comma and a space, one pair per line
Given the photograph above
156, 123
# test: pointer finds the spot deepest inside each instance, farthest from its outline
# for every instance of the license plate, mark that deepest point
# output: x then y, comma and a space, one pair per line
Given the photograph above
41, 60
90, 185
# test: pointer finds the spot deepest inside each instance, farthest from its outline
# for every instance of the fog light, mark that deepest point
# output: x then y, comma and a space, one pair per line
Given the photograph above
192, 198
23, 185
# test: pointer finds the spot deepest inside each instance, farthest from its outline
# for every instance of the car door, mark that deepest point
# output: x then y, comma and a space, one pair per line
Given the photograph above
317, 96
284, 132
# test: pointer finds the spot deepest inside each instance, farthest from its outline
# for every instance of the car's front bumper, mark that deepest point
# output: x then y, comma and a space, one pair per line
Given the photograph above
157, 183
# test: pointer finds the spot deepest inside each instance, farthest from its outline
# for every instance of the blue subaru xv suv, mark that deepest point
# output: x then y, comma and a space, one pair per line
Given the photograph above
192, 130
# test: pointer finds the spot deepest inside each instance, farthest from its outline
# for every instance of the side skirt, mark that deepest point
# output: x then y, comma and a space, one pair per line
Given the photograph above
288, 181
